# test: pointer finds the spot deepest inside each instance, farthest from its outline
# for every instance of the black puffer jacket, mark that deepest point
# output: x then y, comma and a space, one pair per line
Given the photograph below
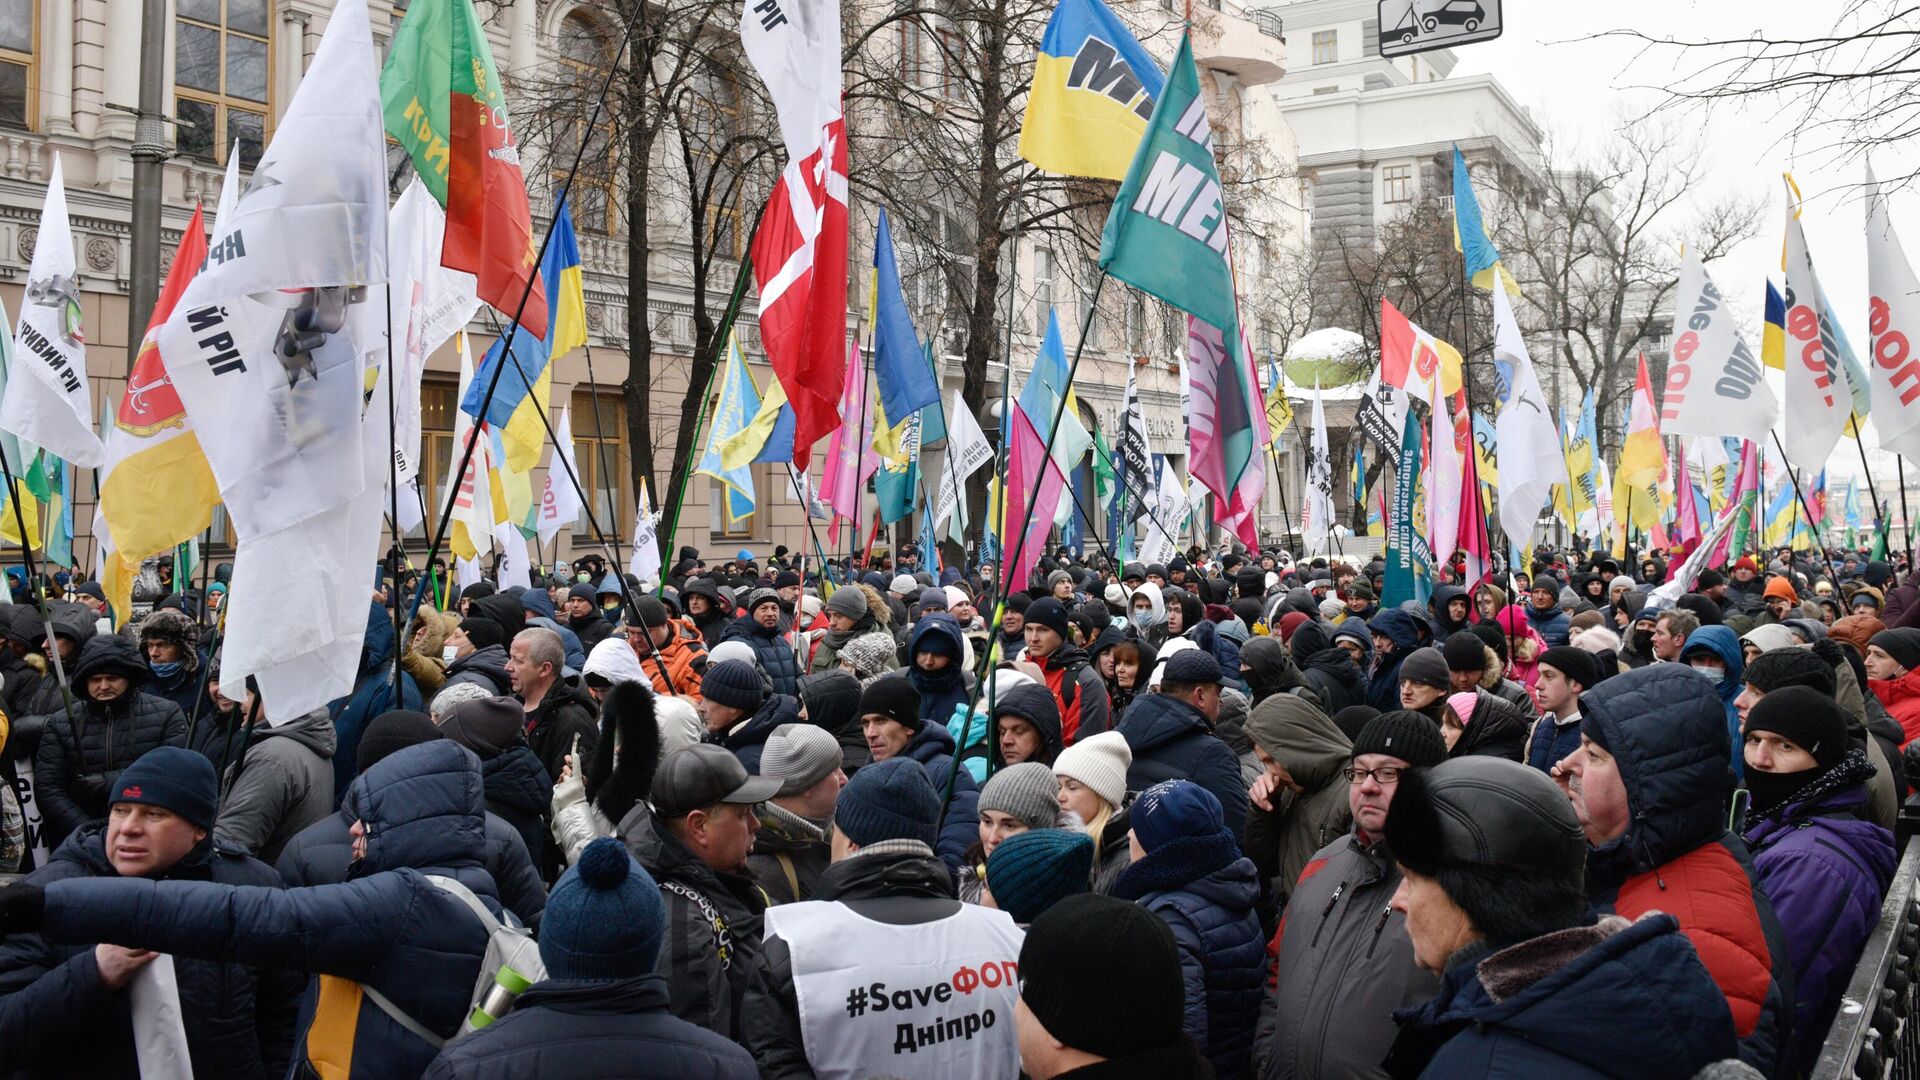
1333, 676
78, 760
519, 793
750, 738
771, 650
58, 1020
1498, 729
565, 711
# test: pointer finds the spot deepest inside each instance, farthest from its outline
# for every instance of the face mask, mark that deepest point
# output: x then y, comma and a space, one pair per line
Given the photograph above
449, 654
1772, 789
582, 579
1144, 618
167, 671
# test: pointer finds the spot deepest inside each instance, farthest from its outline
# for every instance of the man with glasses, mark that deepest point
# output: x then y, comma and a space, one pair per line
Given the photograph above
1345, 962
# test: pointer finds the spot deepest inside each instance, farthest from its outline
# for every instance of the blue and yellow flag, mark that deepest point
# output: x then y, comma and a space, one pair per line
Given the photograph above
512, 410
1470, 236
1773, 336
1094, 88
738, 401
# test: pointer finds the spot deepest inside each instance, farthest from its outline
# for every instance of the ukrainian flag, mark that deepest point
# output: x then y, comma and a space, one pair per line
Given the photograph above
1773, 338
1470, 236
738, 401
512, 410
1093, 91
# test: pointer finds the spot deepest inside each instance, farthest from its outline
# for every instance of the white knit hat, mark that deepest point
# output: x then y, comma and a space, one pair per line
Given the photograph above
1167, 651
1101, 763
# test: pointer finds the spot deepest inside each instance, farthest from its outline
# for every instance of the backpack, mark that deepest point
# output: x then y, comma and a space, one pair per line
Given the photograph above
508, 946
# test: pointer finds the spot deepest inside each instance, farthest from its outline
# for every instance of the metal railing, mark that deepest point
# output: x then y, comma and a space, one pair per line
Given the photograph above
1876, 1033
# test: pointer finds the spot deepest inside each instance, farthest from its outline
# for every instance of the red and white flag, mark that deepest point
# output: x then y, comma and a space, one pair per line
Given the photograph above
800, 253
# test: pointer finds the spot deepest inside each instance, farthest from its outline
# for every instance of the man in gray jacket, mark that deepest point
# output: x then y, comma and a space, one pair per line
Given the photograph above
283, 784
1344, 959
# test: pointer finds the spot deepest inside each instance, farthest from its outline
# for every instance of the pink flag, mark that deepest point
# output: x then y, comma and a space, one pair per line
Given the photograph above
1746, 489
1029, 470
848, 467
1689, 527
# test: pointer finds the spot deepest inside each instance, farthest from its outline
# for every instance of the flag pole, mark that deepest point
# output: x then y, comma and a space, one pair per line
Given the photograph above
28, 567
806, 515
1801, 499
526, 291
400, 643
1466, 395
1865, 468
1906, 523
600, 458
1019, 544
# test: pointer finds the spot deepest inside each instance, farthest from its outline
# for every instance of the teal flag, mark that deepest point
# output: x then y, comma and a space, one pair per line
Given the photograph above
1167, 232
896, 483
59, 545
1409, 562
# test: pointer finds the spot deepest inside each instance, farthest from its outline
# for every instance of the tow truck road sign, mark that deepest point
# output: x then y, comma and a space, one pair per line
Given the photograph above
1411, 26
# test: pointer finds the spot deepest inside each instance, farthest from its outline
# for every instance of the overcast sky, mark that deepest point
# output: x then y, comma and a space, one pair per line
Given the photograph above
1579, 86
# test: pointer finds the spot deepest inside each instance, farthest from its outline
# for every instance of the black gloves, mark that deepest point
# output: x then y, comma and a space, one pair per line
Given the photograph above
21, 908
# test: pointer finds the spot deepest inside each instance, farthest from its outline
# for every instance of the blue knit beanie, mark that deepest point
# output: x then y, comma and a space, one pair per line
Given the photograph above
1031, 871
604, 919
171, 778
888, 800
1173, 809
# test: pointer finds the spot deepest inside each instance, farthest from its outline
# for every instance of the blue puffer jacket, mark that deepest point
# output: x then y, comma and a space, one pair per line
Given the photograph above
388, 928
519, 792
940, 691
58, 1020
1551, 742
561, 1030
1604, 1001
749, 740
1383, 687
1205, 891
932, 747
1723, 643
372, 695
1553, 624
1171, 740
773, 652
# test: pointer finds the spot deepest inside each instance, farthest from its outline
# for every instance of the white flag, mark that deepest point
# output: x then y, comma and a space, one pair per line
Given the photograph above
967, 451
560, 501
1818, 398
472, 490
795, 46
1443, 475
427, 303
645, 562
467, 572
268, 347
47, 398
1169, 509
1526, 443
1893, 318
514, 567
1318, 529
1714, 384
229, 194
273, 340
411, 515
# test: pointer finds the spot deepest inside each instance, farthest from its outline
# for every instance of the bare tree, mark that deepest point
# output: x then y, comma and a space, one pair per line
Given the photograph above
1849, 90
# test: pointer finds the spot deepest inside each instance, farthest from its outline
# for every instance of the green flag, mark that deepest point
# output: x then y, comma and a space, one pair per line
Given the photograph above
1103, 470
1167, 232
1409, 562
898, 477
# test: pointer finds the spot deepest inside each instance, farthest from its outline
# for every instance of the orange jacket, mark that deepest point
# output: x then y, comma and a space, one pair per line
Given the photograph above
684, 657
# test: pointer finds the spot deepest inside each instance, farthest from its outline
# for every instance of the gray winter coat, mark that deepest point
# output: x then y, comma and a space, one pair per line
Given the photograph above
1344, 964
285, 784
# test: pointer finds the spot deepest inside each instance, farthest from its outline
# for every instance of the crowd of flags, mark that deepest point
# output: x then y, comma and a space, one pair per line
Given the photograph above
280, 372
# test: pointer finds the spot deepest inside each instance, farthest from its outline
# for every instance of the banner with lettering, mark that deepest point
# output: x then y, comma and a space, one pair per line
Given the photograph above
1713, 380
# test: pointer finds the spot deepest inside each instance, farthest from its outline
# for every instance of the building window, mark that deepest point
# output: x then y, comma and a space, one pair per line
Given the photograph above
911, 61
1321, 90
1396, 183
953, 63
1042, 289
222, 69
438, 403
19, 23
1326, 46
718, 527
586, 51
600, 455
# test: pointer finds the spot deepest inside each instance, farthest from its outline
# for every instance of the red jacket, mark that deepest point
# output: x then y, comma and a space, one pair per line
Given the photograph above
1901, 696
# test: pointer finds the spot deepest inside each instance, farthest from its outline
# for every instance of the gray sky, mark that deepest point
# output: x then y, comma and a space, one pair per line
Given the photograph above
1579, 88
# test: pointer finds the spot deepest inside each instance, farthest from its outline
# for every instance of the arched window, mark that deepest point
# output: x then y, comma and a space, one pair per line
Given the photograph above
585, 51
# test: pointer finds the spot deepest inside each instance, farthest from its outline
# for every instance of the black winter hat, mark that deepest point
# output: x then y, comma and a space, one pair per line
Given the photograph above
583, 591
1035, 704
1051, 614
736, 684
172, 778
1354, 719
1404, 734
1465, 651
482, 632
109, 654
651, 611
1090, 941
391, 732
785, 578
1578, 665
893, 697
1192, 667
1813, 720
1426, 666
477, 590
1778, 669
1491, 635
1902, 643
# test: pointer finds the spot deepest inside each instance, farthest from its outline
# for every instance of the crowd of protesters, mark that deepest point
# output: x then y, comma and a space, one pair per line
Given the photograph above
1229, 816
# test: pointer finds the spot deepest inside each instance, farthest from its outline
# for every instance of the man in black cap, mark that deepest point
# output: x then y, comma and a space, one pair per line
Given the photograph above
1494, 899
479, 655
582, 616
1345, 961
1565, 673
694, 841
1077, 686
1468, 661
786, 586
1424, 680
1172, 736
1071, 1021
63, 1007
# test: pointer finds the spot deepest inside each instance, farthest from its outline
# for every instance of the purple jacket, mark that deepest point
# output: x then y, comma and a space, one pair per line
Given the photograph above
1826, 870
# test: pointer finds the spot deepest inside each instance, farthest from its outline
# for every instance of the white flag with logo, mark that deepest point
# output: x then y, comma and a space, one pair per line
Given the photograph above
645, 562
1318, 524
560, 501
1714, 384
514, 567
269, 345
47, 397
1527, 444
795, 46
428, 302
1893, 317
967, 451
1818, 398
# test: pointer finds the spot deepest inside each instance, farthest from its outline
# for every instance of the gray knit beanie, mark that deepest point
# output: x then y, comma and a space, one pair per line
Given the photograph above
1027, 791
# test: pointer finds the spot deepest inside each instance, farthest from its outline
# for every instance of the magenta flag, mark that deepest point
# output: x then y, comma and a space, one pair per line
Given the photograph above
1030, 472
849, 465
